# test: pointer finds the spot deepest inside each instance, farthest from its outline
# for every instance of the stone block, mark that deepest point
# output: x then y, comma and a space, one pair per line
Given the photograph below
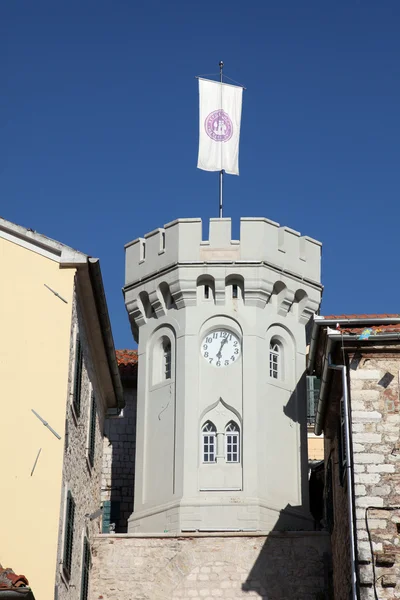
360, 395
358, 448
369, 457
366, 374
367, 438
365, 416
366, 501
389, 580
385, 559
381, 468
366, 477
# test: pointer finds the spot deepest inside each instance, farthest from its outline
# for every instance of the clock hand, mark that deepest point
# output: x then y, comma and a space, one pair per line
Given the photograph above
219, 355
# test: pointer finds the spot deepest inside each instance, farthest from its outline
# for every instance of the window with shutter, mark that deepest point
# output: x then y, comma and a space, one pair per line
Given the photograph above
69, 535
313, 387
77, 377
342, 445
86, 563
92, 431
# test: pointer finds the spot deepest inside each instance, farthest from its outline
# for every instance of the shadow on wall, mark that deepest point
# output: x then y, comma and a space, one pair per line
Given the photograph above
120, 432
291, 564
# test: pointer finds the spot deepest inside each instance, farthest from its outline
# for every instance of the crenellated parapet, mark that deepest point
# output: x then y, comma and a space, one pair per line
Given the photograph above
271, 265
261, 241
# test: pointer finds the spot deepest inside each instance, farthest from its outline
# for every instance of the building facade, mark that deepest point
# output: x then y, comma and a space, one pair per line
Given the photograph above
357, 358
55, 322
117, 486
221, 479
221, 375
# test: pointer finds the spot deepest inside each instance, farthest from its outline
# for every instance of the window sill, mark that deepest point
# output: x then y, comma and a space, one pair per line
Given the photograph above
161, 384
75, 415
221, 489
65, 578
89, 464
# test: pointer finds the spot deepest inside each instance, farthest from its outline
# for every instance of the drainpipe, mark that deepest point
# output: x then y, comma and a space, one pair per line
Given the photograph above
349, 472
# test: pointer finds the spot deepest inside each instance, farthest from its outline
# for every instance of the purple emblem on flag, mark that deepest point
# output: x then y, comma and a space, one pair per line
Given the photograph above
219, 126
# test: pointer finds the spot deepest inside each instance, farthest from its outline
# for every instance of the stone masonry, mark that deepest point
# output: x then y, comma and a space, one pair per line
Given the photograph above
118, 475
280, 566
78, 475
376, 446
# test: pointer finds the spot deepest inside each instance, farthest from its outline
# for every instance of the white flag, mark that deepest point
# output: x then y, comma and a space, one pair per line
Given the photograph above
220, 114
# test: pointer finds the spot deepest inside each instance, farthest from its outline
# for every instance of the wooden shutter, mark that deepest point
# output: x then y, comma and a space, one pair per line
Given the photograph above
86, 563
69, 535
78, 377
92, 431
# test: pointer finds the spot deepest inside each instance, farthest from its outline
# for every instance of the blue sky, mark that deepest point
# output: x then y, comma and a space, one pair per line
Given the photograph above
99, 128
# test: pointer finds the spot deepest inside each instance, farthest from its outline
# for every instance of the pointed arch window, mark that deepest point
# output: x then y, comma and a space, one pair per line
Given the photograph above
209, 435
232, 442
275, 360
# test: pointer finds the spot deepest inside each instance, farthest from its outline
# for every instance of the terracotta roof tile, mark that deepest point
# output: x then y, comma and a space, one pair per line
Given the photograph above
126, 357
376, 329
363, 316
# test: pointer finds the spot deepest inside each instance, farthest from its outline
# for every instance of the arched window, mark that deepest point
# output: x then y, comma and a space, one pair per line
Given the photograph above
166, 347
234, 287
205, 288
275, 360
209, 434
232, 442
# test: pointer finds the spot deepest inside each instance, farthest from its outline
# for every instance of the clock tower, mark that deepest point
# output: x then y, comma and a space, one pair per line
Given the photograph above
221, 417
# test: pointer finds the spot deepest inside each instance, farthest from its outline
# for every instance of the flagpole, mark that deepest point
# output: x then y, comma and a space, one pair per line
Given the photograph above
221, 173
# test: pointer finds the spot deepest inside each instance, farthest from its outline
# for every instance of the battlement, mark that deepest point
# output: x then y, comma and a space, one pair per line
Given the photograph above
261, 240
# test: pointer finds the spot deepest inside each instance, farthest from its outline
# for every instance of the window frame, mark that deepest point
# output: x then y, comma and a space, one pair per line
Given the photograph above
275, 366
86, 566
230, 436
342, 448
91, 447
166, 359
78, 375
69, 525
208, 443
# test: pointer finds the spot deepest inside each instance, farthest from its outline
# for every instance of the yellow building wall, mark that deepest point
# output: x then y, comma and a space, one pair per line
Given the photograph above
315, 448
34, 355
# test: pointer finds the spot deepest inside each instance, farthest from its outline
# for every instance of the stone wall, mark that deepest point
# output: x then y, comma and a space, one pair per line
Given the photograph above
118, 478
376, 447
280, 566
81, 478
339, 525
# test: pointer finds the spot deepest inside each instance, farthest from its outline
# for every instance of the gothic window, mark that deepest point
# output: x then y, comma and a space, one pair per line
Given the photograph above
209, 435
162, 360
166, 358
232, 442
275, 360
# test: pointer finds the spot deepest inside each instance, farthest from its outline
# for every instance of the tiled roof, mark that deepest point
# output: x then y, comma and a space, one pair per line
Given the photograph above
9, 580
371, 316
375, 330
369, 328
126, 357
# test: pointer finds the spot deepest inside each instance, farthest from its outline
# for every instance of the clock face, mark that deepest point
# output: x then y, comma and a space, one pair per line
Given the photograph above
220, 348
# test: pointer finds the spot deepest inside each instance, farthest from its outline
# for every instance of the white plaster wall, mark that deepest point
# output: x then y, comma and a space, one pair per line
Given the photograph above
273, 480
